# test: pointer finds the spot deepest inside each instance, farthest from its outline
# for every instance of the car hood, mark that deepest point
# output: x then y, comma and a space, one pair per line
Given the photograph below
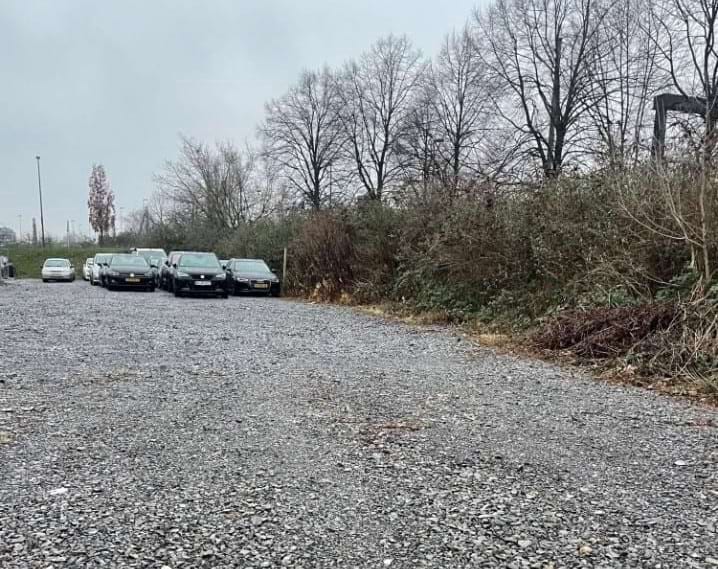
128, 270
196, 271
256, 276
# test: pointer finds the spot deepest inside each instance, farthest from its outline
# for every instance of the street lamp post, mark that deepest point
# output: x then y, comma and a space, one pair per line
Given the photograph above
39, 189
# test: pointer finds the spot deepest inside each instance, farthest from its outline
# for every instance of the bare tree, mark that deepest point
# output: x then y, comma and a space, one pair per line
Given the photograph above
101, 203
214, 185
623, 69
417, 148
539, 51
462, 107
303, 135
376, 95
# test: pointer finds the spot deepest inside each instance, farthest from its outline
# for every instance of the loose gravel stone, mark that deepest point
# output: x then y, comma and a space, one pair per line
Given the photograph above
142, 430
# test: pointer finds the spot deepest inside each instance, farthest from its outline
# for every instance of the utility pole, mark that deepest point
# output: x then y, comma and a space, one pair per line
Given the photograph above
39, 189
284, 268
68, 233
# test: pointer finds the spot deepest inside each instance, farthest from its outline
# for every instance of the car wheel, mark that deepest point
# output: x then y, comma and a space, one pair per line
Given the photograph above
110, 287
151, 289
275, 293
176, 291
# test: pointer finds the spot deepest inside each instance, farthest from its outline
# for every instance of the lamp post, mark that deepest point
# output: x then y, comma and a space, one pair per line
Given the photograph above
39, 189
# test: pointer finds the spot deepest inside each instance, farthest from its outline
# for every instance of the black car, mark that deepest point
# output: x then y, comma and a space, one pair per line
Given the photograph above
198, 273
252, 275
129, 271
7, 269
167, 269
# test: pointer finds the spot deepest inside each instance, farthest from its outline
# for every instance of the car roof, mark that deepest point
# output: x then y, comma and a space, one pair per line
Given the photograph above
56, 259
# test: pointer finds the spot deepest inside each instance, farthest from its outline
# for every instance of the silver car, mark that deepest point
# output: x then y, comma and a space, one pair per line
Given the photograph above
87, 268
58, 270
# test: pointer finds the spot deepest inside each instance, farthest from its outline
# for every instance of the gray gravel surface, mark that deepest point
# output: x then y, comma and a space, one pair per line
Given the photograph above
141, 430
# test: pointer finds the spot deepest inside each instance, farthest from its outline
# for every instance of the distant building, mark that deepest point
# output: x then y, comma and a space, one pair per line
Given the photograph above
7, 236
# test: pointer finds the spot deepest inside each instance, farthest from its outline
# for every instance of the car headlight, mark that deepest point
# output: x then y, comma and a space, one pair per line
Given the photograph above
242, 280
149, 273
113, 273
181, 275
220, 277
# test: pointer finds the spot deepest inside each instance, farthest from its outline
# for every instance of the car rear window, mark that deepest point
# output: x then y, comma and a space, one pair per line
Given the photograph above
57, 263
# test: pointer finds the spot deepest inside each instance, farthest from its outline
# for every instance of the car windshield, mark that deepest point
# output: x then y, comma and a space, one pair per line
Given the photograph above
128, 261
99, 259
199, 261
151, 253
57, 263
251, 266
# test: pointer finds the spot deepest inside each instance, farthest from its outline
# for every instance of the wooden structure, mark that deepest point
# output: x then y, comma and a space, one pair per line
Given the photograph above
676, 103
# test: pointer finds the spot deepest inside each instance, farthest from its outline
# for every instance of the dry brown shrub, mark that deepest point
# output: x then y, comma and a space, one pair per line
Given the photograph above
604, 332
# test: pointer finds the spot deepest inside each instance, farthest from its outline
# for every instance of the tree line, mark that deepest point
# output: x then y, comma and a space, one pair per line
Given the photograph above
526, 91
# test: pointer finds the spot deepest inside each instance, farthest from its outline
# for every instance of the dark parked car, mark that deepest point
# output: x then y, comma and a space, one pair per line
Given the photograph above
7, 269
198, 273
252, 275
129, 271
167, 269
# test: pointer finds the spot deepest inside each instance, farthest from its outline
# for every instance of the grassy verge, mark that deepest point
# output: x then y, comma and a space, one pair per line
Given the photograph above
637, 346
28, 260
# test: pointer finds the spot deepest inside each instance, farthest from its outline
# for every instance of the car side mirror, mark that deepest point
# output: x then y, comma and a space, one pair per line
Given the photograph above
174, 265
153, 266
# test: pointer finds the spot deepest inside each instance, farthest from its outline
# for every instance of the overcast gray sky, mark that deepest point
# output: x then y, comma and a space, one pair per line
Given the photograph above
115, 82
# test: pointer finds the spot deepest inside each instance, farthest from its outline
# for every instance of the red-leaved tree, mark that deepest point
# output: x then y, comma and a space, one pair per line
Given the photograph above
101, 203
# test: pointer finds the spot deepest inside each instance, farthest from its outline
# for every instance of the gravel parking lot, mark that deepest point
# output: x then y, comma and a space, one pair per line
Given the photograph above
143, 430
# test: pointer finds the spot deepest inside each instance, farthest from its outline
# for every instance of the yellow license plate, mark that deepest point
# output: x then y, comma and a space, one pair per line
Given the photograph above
132, 280
261, 285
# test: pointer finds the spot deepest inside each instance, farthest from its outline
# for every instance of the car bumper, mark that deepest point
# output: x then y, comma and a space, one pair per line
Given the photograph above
263, 287
191, 286
57, 276
130, 282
